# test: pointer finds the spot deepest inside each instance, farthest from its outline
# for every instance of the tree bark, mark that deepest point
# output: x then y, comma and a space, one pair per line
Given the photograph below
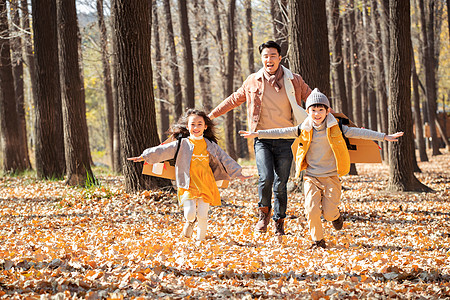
107, 84
204, 74
428, 42
137, 114
50, 153
279, 14
420, 141
178, 96
249, 29
302, 57
13, 158
321, 46
229, 122
401, 171
17, 67
187, 55
355, 69
337, 57
161, 89
76, 140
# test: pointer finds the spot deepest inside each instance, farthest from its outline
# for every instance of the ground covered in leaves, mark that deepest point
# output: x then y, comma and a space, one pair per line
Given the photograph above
58, 242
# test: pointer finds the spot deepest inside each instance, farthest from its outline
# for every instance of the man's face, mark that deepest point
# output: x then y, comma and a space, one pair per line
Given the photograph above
270, 59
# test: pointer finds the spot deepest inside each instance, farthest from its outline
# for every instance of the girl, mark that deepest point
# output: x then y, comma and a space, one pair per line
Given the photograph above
200, 162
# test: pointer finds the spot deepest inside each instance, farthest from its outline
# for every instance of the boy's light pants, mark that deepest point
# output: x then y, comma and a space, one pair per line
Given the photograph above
322, 196
197, 208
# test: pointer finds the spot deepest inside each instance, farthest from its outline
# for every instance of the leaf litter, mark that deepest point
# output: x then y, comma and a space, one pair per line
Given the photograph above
102, 243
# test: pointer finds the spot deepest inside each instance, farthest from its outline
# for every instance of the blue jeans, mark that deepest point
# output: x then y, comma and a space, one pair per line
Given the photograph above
273, 159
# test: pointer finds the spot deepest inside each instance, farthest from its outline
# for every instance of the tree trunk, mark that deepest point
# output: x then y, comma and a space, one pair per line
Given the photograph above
229, 123
383, 10
178, 96
321, 45
301, 56
355, 69
420, 141
161, 89
76, 140
137, 114
280, 28
204, 74
117, 165
346, 51
106, 78
337, 58
50, 153
379, 83
428, 42
187, 55
401, 171
13, 158
17, 67
249, 29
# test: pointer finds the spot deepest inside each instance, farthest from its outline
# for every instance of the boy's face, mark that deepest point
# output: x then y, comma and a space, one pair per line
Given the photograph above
196, 125
318, 114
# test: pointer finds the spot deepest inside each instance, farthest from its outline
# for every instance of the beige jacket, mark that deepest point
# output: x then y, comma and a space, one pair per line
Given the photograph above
252, 91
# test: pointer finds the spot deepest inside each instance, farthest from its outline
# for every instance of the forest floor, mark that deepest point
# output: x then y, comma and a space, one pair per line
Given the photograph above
59, 243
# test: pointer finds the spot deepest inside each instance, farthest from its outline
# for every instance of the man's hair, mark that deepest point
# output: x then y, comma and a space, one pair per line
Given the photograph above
270, 44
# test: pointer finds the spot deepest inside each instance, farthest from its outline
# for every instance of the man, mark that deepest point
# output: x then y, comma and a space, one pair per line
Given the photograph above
273, 96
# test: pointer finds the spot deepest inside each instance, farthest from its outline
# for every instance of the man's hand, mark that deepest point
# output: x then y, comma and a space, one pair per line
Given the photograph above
393, 137
248, 134
243, 177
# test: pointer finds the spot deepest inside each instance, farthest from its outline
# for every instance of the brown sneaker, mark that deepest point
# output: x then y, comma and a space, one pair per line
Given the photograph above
264, 219
338, 223
279, 227
318, 244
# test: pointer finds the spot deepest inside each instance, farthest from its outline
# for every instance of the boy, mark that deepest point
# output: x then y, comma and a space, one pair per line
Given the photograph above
322, 152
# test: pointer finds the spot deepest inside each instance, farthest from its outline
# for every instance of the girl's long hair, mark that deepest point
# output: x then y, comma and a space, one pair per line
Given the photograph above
181, 126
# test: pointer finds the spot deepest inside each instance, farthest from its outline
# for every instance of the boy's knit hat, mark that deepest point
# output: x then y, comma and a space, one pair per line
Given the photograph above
316, 97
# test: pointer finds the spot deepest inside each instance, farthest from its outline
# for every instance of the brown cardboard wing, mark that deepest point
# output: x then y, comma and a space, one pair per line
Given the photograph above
367, 151
162, 169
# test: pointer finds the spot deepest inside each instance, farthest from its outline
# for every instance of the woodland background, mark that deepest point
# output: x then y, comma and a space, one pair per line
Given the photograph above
85, 84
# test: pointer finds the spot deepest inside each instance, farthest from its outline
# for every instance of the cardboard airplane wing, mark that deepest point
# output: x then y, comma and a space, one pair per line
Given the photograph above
363, 151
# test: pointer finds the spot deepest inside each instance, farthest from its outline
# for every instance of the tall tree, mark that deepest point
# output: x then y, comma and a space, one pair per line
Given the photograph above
321, 46
28, 48
279, 13
204, 73
249, 30
379, 83
337, 57
107, 84
136, 101
178, 96
187, 55
76, 141
117, 164
49, 151
13, 157
160, 83
229, 122
355, 68
17, 67
420, 141
430, 74
401, 171
302, 56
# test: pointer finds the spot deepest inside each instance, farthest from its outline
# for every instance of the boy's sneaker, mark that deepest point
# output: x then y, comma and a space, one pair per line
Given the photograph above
318, 244
338, 223
188, 229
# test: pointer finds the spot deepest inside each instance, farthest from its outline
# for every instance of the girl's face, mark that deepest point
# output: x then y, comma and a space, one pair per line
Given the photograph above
318, 114
196, 125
